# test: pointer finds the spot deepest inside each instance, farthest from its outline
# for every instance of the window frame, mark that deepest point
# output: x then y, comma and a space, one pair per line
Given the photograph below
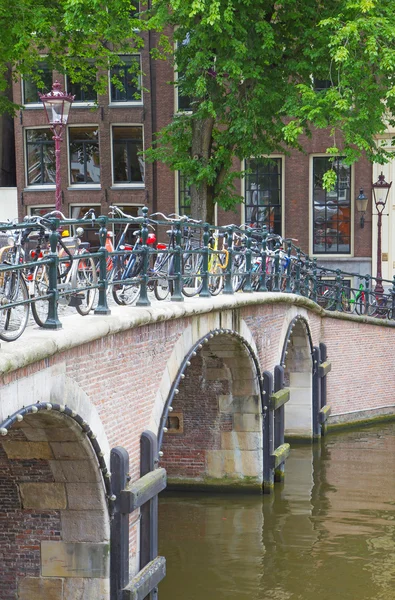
282, 201
119, 103
41, 186
126, 185
329, 255
177, 205
38, 104
89, 185
77, 103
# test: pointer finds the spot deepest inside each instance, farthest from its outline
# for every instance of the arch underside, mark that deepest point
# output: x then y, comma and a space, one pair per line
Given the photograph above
298, 374
55, 516
214, 431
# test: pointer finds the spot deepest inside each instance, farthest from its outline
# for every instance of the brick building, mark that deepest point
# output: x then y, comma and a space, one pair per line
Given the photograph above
101, 165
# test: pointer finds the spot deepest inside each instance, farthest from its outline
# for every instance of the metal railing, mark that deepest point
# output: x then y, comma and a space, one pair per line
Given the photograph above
198, 259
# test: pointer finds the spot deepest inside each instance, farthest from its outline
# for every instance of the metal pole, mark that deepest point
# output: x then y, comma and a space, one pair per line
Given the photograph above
58, 191
379, 278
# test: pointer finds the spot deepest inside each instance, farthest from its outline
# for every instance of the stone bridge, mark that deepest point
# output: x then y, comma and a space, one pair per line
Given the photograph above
216, 383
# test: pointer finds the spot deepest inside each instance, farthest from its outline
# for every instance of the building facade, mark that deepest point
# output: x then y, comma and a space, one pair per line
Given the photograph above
101, 165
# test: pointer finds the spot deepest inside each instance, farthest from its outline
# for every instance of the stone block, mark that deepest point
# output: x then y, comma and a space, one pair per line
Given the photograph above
300, 379
251, 464
239, 404
73, 471
85, 526
247, 422
240, 440
27, 450
43, 495
85, 496
86, 589
61, 559
244, 387
216, 374
37, 588
68, 450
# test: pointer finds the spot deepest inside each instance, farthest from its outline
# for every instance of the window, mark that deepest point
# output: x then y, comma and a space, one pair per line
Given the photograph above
84, 155
331, 210
322, 84
40, 157
134, 9
184, 196
30, 87
80, 91
128, 166
125, 80
40, 210
263, 191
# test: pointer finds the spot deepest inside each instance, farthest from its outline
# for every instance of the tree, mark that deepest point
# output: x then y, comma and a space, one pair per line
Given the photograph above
80, 37
249, 67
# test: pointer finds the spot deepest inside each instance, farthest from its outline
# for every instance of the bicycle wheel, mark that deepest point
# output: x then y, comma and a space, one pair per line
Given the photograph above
215, 278
40, 286
13, 320
126, 292
192, 281
378, 306
86, 278
238, 275
162, 285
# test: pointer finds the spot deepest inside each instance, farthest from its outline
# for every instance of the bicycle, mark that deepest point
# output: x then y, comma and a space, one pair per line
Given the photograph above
14, 295
77, 276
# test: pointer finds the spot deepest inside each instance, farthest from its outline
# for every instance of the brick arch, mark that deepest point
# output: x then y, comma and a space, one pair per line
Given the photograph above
298, 363
215, 404
56, 521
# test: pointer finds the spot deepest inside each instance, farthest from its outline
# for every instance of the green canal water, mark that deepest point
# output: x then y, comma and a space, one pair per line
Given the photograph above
328, 532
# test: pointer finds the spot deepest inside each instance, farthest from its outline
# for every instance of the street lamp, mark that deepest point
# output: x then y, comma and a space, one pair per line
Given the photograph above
362, 203
57, 106
381, 189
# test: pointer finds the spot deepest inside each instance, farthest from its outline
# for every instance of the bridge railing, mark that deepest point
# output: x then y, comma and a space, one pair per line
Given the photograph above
170, 257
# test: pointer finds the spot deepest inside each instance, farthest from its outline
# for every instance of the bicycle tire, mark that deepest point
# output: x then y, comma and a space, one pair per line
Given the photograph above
40, 307
13, 320
378, 306
125, 293
162, 286
86, 280
191, 282
238, 275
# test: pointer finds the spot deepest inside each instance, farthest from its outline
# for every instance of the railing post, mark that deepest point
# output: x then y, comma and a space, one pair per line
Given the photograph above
338, 290
392, 315
102, 306
247, 286
314, 295
228, 287
276, 286
143, 297
205, 292
52, 321
288, 287
367, 292
262, 281
306, 280
177, 287
298, 269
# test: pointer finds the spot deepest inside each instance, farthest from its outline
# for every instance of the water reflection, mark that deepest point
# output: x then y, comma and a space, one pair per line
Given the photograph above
328, 532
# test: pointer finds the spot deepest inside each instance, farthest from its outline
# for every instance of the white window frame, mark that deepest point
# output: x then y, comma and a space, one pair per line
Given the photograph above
323, 255
140, 102
41, 187
32, 105
282, 204
81, 186
128, 185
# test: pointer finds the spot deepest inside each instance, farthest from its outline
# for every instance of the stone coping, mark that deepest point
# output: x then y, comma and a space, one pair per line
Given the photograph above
36, 343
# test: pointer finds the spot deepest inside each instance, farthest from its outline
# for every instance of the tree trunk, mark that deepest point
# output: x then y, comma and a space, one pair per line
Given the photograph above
202, 201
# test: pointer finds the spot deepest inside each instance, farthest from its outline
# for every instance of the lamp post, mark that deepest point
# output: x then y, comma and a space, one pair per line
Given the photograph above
57, 106
362, 203
381, 189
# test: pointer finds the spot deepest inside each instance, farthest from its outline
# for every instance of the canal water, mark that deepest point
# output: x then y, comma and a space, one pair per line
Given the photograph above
327, 533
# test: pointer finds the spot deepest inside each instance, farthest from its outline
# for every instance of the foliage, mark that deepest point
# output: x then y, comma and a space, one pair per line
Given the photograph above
80, 37
249, 68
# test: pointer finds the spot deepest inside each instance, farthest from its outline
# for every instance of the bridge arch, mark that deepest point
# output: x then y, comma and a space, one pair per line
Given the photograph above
55, 486
298, 363
210, 431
